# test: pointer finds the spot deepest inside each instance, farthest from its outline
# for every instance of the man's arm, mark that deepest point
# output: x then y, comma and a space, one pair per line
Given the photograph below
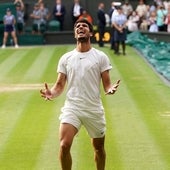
56, 89
107, 85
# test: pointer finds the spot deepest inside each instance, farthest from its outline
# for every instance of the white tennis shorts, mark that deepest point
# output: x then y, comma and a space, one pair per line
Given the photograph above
93, 121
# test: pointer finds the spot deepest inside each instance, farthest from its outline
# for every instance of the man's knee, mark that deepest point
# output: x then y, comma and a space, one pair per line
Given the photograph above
65, 146
100, 151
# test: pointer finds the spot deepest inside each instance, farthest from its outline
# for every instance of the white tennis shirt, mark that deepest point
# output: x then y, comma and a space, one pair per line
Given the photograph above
83, 72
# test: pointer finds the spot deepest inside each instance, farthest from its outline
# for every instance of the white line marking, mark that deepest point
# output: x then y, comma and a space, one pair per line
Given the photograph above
19, 87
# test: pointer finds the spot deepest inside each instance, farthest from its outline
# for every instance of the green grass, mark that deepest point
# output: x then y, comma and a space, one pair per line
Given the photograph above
138, 115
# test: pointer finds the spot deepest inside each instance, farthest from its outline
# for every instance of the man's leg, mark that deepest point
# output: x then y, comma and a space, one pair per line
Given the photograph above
123, 47
13, 34
101, 36
99, 152
5, 38
67, 133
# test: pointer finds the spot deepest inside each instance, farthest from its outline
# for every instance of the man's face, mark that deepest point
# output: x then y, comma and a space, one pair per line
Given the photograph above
82, 32
8, 12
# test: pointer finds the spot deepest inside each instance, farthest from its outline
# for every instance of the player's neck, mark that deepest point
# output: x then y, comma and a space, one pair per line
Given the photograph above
83, 47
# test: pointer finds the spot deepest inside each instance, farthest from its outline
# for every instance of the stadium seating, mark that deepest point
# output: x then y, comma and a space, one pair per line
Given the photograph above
53, 25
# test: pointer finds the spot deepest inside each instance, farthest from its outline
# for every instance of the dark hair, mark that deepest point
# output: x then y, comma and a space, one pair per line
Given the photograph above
118, 7
84, 21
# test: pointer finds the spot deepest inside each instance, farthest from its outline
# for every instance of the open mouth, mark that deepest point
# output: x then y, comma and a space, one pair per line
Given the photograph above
80, 31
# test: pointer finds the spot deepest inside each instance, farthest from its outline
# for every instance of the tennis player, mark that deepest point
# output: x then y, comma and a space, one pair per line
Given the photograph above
83, 69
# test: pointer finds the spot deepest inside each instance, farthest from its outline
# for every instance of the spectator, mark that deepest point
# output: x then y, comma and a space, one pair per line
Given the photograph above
132, 23
166, 4
59, 12
143, 24
19, 15
9, 28
36, 16
119, 22
161, 15
44, 17
142, 10
167, 20
158, 2
113, 12
127, 8
107, 18
144, 20
40, 16
153, 7
101, 23
76, 10
152, 22
87, 16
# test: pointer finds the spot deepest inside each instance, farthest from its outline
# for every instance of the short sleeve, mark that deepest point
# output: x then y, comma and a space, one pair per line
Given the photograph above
105, 63
62, 65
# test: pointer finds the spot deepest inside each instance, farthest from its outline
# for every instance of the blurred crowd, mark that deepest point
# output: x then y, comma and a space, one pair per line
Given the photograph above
120, 17
153, 18
41, 15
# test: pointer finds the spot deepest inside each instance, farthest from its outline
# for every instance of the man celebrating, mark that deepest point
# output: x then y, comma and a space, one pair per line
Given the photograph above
83, 69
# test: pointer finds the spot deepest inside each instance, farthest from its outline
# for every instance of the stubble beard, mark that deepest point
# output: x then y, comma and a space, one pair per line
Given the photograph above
83, 39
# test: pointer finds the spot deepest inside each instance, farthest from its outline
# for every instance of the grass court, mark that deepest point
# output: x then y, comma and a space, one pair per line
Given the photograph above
138, 115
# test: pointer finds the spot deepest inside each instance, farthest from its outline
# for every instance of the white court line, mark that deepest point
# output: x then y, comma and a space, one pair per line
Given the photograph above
19, 87
166, 114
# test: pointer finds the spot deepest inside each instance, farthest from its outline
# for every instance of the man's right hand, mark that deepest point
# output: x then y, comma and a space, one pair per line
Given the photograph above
46, 93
